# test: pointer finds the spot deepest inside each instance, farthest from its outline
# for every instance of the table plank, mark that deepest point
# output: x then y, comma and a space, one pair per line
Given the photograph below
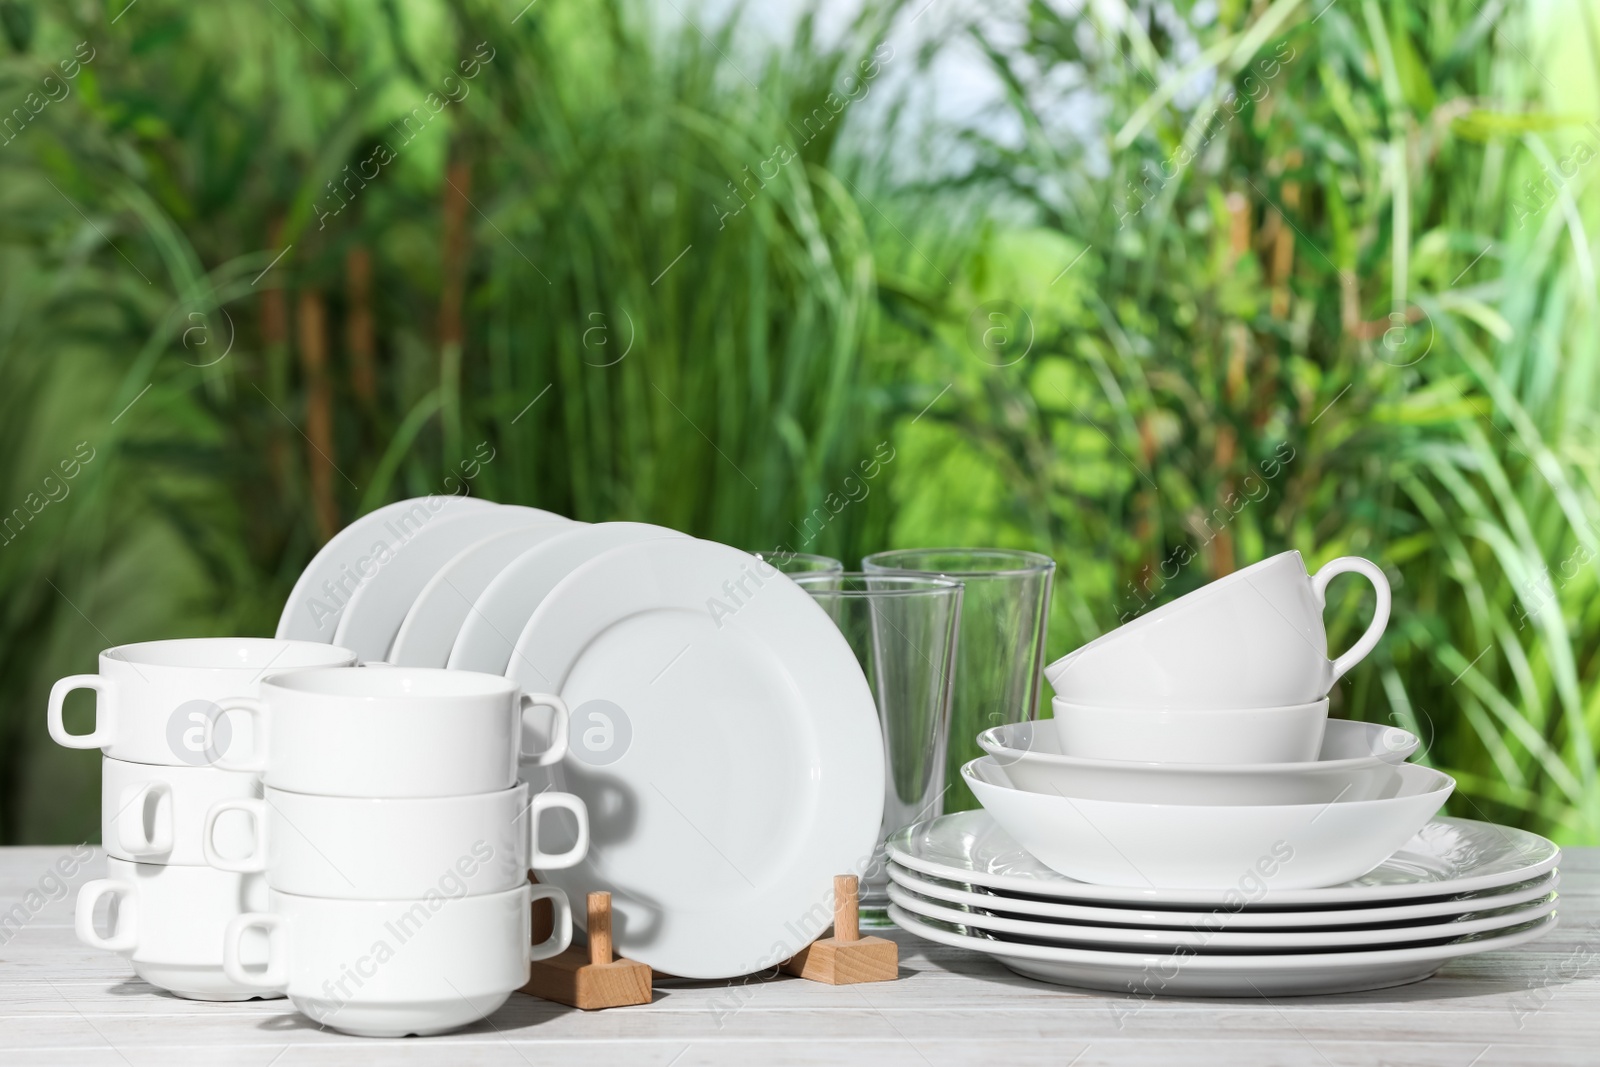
64, 1003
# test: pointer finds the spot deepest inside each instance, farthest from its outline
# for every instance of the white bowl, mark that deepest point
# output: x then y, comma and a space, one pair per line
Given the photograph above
1289, 734
1356, 763
1206, 846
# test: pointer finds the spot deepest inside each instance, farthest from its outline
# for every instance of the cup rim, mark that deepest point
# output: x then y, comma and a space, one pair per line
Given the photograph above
1303, 707
410, 684
1172, 607
1022, 561
913, 585
139, 654
834, 566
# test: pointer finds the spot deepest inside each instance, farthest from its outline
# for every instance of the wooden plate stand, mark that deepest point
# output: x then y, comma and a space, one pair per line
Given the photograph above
591, 978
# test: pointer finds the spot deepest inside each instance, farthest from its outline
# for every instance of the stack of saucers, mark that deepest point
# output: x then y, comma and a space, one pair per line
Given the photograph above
1191, 823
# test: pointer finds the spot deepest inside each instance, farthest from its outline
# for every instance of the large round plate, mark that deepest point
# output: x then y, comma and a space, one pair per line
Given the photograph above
1206, 939
1221, 918
377, 608
503, 609
1183, 974
324, 588
436, 616
726, 744
1447, 857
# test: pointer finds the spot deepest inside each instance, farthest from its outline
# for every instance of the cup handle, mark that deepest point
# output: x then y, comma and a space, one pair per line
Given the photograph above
276, 976
256, 762
560, 930
105, 711
256, 860
558, 744
554, 861
125, 937
1380, 612
130, 819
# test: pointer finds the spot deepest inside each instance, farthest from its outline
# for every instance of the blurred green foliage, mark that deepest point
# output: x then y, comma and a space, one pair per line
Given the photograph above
1293, 275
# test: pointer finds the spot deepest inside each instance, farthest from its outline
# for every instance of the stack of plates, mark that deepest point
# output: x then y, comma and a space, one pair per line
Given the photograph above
1459, 887
722, 735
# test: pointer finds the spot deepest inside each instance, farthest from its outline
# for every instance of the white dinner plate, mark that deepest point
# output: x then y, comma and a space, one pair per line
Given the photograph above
1206, 939
1447, 857
1181, 973
1222, 918
324, 588
503, 609
435, 618
377, 608
725, 742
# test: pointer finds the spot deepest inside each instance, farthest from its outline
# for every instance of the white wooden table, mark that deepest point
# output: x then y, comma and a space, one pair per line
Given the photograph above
64, 1003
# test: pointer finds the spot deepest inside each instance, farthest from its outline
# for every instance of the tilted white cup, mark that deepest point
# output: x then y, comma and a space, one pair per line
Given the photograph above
156, 701
1252, 639
388, 968
155, 814
170, 924
395, 732
356, 848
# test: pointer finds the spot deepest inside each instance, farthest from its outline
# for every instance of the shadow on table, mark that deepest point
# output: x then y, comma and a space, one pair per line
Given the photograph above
521, 1012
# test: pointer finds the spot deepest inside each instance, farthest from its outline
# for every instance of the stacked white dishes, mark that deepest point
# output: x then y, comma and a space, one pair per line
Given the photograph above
157, 723
1192, 823
396, 842
723, 737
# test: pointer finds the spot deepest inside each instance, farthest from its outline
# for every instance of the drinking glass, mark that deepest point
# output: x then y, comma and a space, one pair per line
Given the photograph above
903, 631
797, 563
1004, 610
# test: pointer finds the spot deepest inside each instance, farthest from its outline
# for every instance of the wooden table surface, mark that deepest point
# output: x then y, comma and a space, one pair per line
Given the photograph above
64, 1003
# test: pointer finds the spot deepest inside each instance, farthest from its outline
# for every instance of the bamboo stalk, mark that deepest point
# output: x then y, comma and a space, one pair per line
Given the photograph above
313, 329
452, 297
358, 326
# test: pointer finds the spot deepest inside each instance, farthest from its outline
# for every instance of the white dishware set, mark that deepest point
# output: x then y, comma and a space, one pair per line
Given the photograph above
359, 838
158, 723
1191, 822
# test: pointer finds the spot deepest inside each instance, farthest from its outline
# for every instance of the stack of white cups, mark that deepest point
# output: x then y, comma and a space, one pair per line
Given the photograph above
396, 843
157, 722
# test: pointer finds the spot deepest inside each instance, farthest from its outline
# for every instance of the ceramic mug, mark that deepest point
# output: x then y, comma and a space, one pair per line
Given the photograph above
155, 814
1290, 734
170, 923
156, 701
1252, 639
389, 968
356, 848
395, 732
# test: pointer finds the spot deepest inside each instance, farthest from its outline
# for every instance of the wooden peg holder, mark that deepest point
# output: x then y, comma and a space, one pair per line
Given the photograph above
587, 977
846, 958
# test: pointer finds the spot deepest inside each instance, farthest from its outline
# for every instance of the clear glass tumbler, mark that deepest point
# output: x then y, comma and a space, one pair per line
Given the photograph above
1004, 611
903, 631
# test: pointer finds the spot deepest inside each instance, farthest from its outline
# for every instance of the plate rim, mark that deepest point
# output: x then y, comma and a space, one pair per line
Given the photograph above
1067, 889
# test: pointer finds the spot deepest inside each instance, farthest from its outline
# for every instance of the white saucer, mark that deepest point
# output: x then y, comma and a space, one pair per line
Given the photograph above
1448, 857
436, 616
324, 588
1207, 938
1221, 918
1183, 974
502, 610
725, 742
377, 608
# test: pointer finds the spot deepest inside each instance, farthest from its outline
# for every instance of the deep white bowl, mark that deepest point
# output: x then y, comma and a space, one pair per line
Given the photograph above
1357, 762
1208, 846
1288, 734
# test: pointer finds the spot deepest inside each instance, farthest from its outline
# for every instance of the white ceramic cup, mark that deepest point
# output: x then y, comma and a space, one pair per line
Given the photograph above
155, 814
1252, 639
170, 923
388, 968
396, 732
356, 848
156, 701
1291, 734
